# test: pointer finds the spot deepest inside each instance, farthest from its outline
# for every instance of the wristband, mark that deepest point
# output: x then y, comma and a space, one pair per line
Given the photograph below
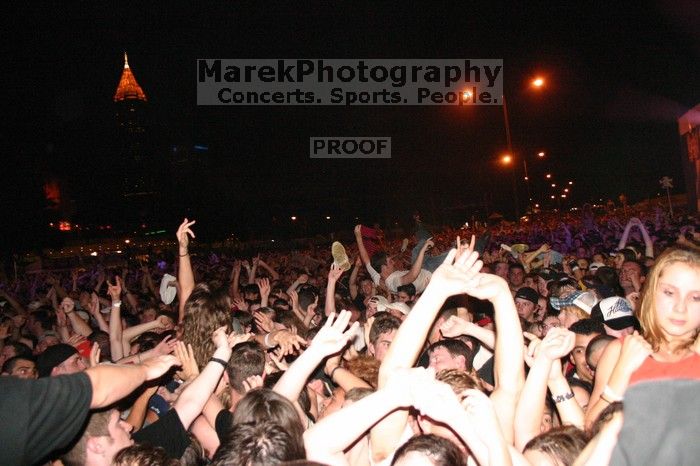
116, 304
219, 361
561, 398
267, 343
611, 395
330, 376
183, 255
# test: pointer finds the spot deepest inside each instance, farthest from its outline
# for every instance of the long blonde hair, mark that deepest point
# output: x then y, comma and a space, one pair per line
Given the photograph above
646, 312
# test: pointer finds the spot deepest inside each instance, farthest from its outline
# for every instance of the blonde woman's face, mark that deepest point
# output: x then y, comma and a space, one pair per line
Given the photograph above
677, 301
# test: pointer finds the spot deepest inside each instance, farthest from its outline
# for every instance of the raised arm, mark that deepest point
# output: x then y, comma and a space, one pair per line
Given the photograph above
185, 277
111, 383
115, 320
417, 265
454, 327
329, 340
193, 398
509, 351
354, 289
530, 408
451, 278
625, 235
333, 276
79, 325
361, 245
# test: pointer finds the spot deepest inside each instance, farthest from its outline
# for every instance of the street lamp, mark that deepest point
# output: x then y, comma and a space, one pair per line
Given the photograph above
537, 82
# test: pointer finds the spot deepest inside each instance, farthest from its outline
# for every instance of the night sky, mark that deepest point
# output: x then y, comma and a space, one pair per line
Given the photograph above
618, 77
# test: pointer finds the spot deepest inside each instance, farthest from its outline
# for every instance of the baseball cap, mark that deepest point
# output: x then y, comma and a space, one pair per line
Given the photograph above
615, 312
381, 302
548, 274
167, 292
595, 266
527, 293
559, 303
399, 306
52, 357
586, 300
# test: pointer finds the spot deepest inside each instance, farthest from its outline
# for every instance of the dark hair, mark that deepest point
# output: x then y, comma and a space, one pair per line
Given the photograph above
562, 444
307, 296
455, 348
516, 265
581, 384
247, 359
601, 340
244, 318
609, 277
587, 327
262, 405
102, 339
143, 455
44, 317
10, 364
205, 311
440, 451
20, 348
258, 443
604, 417
383, 323
409, 289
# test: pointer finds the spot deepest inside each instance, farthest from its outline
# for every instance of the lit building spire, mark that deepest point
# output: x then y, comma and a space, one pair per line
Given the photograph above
128, 88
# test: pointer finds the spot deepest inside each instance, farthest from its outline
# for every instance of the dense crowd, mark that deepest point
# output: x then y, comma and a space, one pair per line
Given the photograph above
557, 341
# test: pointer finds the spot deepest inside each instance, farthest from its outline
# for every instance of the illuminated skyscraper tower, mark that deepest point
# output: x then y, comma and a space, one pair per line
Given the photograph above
134, 158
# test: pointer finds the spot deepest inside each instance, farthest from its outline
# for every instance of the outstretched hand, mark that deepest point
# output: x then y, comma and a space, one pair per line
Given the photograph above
183, 234
455, 274
333, 337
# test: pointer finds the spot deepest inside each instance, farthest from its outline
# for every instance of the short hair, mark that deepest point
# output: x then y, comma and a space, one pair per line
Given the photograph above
244, 318
97, 426
562, 444
365, 367
143, 455
440, 451
258, 444
573, 382
358, 393
262, 405
20, 348
460, 380
455, 348
408, 288
383, 323
516, 265
595, 344
247, 359
10, 364
378, 260
45, 319
307, 296
587, 327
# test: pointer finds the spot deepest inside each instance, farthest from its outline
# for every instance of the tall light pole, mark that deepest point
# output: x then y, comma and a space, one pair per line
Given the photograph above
536, 83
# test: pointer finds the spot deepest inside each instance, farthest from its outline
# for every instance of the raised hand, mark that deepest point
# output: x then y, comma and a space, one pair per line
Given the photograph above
455, 274
220, 337
454, 327
241, 304
166, 346
334, 273
252, 382
303, 278
333, 337
236, 338
155, 367
115, 290
263, 322
289, 342
487, 286
183, 235
635, 350
185, 354
558, 343
264, 286
406, 384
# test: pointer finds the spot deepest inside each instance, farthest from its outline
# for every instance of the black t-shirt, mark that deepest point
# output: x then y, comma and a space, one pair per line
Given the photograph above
223, 423
167, 432
41, 416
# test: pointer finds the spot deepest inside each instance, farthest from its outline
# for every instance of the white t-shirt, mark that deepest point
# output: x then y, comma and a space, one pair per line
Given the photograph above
393, 281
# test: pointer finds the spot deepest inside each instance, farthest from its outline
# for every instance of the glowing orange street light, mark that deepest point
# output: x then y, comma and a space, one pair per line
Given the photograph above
540, 154
571, 182
548, 175
554, 185
538, 82
566, 190
506, 159
466, 95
